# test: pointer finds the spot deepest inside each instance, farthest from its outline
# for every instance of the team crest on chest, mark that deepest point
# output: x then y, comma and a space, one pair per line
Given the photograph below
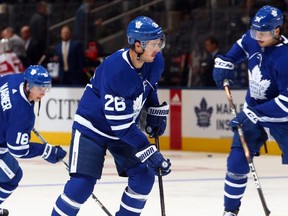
258, 86
137, 105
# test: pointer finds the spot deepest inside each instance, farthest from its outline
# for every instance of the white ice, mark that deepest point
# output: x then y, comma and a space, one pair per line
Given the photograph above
194, 187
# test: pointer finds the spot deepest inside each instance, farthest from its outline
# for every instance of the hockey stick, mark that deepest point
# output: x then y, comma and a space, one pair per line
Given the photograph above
160, 180
246, 149
43, 57
67, 168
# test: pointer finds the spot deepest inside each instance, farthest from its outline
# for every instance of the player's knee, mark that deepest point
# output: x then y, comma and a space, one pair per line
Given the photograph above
141, 179
6, 188
13, 184
79, 187
237, 162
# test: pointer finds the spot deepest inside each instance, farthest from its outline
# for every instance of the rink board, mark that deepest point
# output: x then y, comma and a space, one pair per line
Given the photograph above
198, 119
188, 144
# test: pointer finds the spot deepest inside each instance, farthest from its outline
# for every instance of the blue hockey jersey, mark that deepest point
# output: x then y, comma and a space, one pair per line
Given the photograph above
17, 119
110, 106
267, 95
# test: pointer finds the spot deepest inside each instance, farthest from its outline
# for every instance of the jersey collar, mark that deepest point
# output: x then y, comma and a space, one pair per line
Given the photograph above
125, 55
21, 89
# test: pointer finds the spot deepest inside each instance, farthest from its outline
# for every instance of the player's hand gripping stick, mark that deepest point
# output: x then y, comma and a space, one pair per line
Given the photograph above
246, 149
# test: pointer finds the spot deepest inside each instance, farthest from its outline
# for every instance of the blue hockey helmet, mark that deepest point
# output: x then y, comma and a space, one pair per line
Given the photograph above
37, 75
144, 29
267, 19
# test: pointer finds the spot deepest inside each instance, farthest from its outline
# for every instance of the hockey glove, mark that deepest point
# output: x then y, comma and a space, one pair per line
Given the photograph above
155, 160
157, 119
53, 154
223, 69
241, 120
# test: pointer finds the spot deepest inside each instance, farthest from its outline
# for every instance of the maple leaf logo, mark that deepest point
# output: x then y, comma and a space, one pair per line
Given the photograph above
274, 13
137, 105
258, 18
203, 114
138, 24
258, 87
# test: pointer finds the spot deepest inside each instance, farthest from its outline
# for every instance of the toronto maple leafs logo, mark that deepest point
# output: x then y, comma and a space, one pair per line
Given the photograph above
258, 18
274, 13
258, 86
203, 114
138, 24
137, 105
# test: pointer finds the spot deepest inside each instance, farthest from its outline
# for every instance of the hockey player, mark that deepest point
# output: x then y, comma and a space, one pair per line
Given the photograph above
107, 118
9, 62
18, 93
266, 104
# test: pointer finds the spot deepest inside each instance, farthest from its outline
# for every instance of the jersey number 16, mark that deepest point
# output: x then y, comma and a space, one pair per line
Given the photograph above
22, 139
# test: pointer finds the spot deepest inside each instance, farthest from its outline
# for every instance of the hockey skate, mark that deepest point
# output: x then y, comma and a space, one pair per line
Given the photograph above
226, 213
4, 212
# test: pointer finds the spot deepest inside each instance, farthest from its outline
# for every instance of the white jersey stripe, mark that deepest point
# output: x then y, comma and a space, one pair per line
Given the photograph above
130, 208
18, 148
75, 150
231, 184
70, 202
284, 98
269, 119
239, 42
119, 117
280, 104
233, 196
59, 211
5, 191
121, 127
89, 125
136, 196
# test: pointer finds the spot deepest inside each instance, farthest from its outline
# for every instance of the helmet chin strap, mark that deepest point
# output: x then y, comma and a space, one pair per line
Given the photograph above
139, 54
27, 92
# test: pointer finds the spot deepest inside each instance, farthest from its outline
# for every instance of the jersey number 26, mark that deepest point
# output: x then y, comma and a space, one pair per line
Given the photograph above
119, 104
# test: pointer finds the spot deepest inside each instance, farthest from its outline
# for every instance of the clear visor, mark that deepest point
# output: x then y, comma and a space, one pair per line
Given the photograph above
40, 89
261, 35
155, 45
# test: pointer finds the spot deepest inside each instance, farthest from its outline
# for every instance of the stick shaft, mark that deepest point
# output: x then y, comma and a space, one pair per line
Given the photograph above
246, 150
67, 167
160, 181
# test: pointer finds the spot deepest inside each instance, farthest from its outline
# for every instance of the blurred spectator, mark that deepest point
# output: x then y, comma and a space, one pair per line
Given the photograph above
93, 57
70, 55
9, 62
15, 42
39, 25
211, 46
33, 53
85, 24
254, 5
